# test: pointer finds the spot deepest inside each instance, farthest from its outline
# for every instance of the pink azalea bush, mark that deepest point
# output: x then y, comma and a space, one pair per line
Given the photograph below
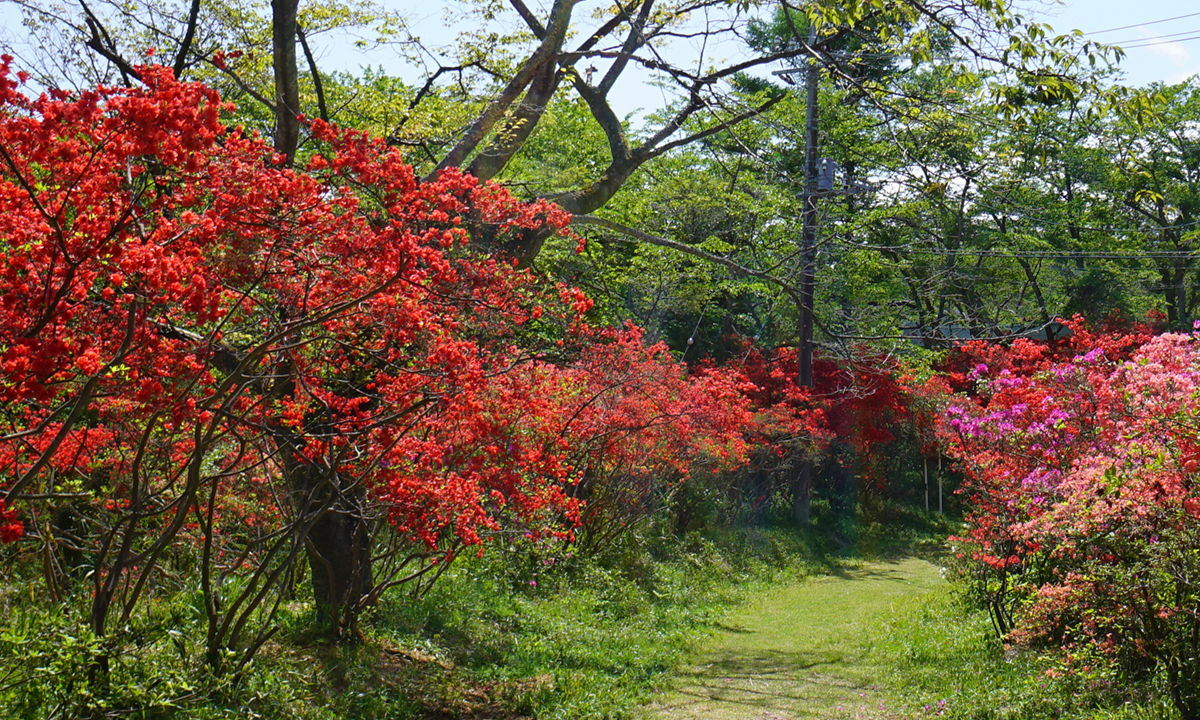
1080, 474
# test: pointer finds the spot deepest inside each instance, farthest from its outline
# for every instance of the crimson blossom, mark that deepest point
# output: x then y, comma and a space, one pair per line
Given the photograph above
202, 348
218, 371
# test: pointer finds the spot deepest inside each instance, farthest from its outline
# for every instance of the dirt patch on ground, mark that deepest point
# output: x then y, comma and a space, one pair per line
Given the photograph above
445, 692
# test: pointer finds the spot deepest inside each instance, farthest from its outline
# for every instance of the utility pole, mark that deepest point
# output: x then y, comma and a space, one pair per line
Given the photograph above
815, 186
802, 490
808, 249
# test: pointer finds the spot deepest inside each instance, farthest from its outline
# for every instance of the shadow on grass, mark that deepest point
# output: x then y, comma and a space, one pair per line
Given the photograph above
731, 629
760, 664
880, 573
798, 653
765, 680
874, 543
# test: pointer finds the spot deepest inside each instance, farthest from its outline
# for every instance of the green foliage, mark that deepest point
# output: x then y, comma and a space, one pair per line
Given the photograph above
528, 630
598, 636
567, 149
53, 667
945, 654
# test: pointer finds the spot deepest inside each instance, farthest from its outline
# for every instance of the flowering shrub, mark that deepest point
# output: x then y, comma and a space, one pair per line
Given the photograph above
213, 367
634, 425
1079, 466
856, 409
199, 347
12, 528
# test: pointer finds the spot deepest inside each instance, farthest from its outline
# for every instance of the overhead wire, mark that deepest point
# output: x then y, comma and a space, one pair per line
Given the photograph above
1143, 24
963, 273
1152, 44
1128, 232
1024, 254
1029, 216
1154, 37
1150, 41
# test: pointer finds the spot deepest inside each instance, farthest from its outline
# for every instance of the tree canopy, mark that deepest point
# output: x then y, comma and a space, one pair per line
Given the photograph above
265, 325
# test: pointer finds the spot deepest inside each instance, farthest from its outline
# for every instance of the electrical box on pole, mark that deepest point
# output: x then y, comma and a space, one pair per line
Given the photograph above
827, 177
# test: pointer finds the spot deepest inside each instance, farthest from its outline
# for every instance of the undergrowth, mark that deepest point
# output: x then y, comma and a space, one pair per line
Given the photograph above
551, 636
524, 631
533, 631
946, 658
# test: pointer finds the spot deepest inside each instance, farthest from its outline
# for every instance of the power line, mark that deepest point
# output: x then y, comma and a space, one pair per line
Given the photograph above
1028, 213
1136, 25
1151, 44
1154, 37
1023, 254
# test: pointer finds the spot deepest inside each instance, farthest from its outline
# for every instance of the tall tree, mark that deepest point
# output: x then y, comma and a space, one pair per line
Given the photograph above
513, 77
1156, 181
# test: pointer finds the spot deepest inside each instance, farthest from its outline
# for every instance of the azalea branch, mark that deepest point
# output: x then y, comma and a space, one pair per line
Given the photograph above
81, 403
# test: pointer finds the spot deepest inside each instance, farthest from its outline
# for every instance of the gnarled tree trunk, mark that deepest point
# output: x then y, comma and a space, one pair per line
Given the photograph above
338, 544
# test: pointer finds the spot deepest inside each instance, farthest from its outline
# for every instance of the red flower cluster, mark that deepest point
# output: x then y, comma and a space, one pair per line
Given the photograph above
858, 401
11, 528
199, 342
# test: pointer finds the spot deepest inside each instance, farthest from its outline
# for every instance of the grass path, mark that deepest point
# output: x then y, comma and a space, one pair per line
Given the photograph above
802, 651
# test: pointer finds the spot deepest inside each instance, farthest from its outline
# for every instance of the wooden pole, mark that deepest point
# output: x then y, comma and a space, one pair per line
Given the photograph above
802, 491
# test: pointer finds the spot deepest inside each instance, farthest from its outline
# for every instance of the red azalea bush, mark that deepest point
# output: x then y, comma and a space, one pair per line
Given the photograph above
1079, 469
788, 415
636, 425
214, 367
200, 347
857, 407
867, 408
12, 529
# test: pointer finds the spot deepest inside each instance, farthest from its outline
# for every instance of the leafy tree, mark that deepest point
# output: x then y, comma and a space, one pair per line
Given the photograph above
216, 367
1155, 178
509, 80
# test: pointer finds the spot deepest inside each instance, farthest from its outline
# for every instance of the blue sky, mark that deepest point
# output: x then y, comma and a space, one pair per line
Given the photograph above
1166, 51
1158, 51
1169, 51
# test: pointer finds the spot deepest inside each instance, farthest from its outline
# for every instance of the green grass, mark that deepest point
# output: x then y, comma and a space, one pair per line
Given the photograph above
747, 624
946, 658
802, 650
527, 632
888, 639
520, 636
753, 623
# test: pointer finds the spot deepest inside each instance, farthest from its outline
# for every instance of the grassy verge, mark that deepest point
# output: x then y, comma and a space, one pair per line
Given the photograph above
949, 664
522, 632
543, 635
519, 633
534, 632
802, 650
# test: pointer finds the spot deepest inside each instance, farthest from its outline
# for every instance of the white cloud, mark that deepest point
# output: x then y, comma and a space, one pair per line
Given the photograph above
1177, 53
1173, 61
